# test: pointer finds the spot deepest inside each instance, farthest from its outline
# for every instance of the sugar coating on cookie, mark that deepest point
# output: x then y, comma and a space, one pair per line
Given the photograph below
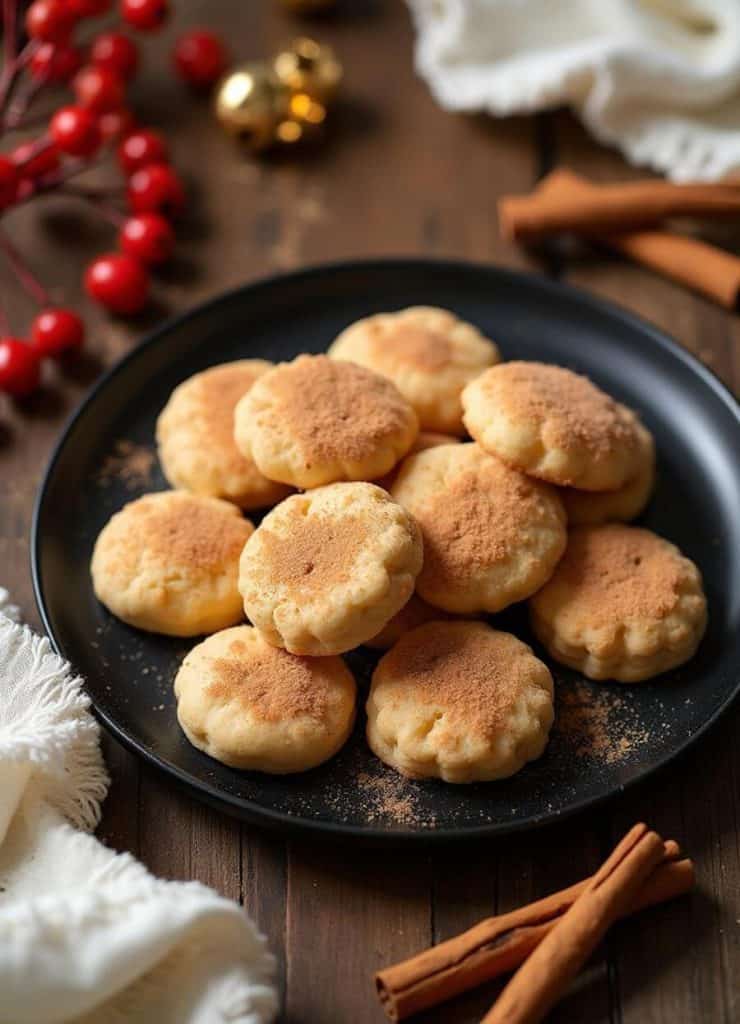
168, 563
414, 613
254, 706
622, 604
195, 437
429, 353
492, 535
315, 421
589, 508
459, 701
326, 570
553, 424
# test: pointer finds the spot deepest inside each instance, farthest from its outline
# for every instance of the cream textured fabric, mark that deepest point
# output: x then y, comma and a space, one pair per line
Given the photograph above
87, 935
660, 79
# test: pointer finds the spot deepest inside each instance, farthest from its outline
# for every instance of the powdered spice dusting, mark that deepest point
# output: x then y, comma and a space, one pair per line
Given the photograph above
130, 463
598, 724
338, 410
317, 551
410, 345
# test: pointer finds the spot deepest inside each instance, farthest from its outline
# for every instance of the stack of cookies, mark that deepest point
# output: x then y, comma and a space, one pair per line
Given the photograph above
392, 529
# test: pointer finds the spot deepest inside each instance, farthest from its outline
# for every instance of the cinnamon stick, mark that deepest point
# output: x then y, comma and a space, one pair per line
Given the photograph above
603, 209
549, 969
697, 265
500, 944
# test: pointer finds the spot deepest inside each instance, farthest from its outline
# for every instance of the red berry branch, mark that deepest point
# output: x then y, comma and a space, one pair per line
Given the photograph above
94, 121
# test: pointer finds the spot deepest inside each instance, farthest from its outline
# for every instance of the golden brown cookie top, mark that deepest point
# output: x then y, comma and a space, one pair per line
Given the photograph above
411, 344
475, 673
271, 683
475, 517
180, 529
216, 392
617, 572
573, 411
312, 552
337, 410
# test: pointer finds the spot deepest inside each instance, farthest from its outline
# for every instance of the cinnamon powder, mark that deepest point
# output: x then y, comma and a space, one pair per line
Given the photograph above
130, 463
338, 410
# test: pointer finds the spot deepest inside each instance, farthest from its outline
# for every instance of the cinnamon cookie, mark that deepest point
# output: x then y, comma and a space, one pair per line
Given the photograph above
622, 604
461, 702
430, 354
326, 570
168, 563
492, 535
589, 508
195, 437
315, 421
253, 706
554, 424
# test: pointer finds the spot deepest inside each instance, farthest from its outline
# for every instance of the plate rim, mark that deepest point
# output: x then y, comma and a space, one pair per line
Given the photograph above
248, 810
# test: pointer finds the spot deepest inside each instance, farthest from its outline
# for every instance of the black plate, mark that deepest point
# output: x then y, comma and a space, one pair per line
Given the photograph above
609, 735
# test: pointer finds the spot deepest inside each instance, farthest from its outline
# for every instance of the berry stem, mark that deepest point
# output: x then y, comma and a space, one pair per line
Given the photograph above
23, 272
21, 102
99, 199
36, 149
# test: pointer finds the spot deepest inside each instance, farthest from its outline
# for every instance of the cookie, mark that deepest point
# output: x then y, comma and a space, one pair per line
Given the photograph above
553, 424
429, 354
492, 535
326, 570
622, 604
195, 437
589, 508
316, 421
253, 706
168, 563
461, 702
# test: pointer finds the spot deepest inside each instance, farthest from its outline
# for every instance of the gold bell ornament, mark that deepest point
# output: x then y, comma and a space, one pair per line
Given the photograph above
251, 102
283, 102
309, 67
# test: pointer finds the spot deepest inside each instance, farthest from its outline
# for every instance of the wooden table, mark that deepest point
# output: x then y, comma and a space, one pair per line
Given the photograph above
399, 176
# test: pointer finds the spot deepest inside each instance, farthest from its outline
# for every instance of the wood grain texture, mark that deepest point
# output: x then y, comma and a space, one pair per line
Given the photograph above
396, 176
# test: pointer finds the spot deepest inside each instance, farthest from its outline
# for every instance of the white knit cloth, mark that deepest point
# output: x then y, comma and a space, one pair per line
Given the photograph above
87, 935
660, 79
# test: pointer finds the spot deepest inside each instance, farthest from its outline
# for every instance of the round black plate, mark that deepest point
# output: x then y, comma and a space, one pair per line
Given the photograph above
608, 735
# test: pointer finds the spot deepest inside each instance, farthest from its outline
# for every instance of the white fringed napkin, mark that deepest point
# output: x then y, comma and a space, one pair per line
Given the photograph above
87, 935
660, 79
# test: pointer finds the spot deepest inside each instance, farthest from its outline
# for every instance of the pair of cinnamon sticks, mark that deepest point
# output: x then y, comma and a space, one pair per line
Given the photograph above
628, 218
549, 941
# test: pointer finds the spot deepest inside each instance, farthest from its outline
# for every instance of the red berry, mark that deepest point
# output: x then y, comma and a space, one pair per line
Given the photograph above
49, 20
147, 237
145, 15
75, 131
115, 124
98, 89
116, 52
89, 8
35, 166
156, 188
199, 57
119, 282
141, 148
56, 331
20, 371
8, 181
55, 62
24, 188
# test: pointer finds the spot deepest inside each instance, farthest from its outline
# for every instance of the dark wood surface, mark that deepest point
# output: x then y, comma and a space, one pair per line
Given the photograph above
398, 176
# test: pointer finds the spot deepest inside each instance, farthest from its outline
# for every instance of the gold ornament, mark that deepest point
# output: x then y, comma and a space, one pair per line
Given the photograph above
309, 68
308, 6
305, 120
251, 102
